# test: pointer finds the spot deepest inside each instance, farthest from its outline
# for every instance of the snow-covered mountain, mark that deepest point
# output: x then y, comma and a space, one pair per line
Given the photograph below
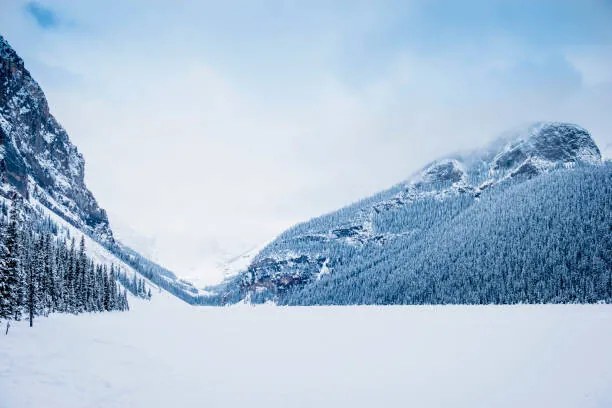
373, 251
37, 158
39, 163
524, 220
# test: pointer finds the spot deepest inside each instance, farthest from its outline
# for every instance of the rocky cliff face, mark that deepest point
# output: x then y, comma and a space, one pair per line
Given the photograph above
37, 159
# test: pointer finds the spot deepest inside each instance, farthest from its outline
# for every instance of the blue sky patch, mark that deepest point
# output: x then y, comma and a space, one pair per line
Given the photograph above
43, 16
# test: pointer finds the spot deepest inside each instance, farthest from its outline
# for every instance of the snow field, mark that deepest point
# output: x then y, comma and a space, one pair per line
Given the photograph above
165, 353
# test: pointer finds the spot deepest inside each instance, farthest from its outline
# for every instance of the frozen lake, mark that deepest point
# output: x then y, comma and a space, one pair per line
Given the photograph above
165, 353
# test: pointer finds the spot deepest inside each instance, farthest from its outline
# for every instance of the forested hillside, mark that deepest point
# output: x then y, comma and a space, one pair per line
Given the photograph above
528, 219
548, 240
41, 273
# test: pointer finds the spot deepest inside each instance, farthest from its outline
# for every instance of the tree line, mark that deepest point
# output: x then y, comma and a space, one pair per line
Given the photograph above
41, 273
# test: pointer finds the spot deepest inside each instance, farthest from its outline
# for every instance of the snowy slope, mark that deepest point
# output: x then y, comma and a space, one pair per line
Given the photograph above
240, 263
168, 354
95, 250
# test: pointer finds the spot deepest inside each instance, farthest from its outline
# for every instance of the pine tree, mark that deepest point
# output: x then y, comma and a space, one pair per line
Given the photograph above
40, 273
7, 288
10, 273
32, 293
71, 279
49, 276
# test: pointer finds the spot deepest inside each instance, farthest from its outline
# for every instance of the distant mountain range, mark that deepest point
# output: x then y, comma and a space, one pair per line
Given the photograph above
528, 219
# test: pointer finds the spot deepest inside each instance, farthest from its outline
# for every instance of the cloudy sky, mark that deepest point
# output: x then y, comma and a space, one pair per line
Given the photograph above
209, 127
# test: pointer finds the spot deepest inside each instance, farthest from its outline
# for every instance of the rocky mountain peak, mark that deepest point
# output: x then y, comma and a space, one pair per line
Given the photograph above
546, 145
37, 158
440, 174
532, 151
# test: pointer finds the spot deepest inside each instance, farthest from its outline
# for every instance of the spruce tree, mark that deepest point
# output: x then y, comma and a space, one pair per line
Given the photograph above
40, 273
10, 273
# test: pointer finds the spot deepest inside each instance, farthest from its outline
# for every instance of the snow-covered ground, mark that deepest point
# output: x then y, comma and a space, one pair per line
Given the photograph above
164, 353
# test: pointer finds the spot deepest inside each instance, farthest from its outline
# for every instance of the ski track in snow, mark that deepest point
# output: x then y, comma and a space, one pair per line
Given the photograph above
164, 353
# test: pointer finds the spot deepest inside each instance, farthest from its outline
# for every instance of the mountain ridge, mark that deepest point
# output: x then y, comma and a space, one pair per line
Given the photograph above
312, 251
